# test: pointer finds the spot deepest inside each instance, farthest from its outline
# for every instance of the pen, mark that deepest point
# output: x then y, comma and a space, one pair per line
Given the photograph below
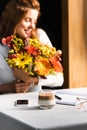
58, 97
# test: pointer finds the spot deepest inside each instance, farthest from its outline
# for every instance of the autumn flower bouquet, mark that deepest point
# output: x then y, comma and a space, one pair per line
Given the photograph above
33, 57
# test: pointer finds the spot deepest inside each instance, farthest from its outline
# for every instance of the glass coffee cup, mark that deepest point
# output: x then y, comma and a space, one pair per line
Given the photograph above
46, 99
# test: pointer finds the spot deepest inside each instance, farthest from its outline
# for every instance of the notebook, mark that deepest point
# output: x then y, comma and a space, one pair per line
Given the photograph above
69, 96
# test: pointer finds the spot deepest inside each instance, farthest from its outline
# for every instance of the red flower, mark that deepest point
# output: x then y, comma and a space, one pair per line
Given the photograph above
7, 40
32, 50
11, 56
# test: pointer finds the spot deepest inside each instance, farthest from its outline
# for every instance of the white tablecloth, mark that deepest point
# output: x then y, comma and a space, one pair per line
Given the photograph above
60, 117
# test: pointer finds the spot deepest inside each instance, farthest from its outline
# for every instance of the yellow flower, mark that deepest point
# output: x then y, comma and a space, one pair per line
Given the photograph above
47, 51
22, 60
34, 42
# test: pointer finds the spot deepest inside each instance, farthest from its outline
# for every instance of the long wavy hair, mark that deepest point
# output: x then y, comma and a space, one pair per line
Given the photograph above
13, 13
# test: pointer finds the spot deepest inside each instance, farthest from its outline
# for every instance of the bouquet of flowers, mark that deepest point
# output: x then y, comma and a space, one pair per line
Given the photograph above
33, 57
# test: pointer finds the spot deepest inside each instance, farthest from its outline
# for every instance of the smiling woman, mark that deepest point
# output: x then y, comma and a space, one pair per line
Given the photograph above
24, 27
19, 19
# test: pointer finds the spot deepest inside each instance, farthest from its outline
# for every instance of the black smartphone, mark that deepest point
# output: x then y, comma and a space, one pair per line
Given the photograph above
21, 102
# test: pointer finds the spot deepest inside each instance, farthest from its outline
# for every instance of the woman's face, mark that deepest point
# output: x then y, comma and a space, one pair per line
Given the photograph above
25, 26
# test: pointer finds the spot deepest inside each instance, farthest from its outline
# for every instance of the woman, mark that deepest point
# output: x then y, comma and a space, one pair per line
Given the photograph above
20, 18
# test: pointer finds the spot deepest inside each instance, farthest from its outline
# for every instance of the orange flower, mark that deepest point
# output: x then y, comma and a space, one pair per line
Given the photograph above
56, 64
42, 66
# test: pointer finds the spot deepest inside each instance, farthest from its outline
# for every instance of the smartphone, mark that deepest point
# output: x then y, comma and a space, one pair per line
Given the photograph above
21, 102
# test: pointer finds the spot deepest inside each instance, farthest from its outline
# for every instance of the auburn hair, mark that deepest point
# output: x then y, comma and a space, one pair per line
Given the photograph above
13, 13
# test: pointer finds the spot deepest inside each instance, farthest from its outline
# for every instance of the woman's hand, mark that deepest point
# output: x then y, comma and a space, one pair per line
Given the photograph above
24, 76
21, 87
58, 55
24, 80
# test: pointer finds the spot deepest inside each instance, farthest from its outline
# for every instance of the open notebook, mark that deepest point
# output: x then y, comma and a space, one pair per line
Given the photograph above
68, 96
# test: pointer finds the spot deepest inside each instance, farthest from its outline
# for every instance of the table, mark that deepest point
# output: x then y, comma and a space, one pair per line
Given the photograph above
60, 117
